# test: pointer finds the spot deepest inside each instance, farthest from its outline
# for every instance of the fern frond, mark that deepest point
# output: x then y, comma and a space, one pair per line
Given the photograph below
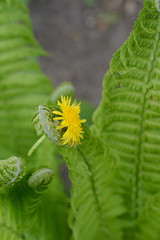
149, 221
44, 124
95, 203
19, 205
40, 179
128, 115
53, 219
23, 87
22, 84
11, 170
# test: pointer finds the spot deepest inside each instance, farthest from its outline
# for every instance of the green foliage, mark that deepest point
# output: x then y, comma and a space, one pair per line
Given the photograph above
128, 116
86, 112
22, 84
40, 179
54, 208
43, 123
24, 212
19, 206
150, 219
115, 172
95, 203
11, 170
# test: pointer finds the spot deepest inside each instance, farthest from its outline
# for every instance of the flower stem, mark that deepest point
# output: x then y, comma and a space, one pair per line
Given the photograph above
33, 148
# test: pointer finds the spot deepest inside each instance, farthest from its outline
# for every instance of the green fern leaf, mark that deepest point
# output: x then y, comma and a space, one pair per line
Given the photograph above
53, 212
22, 84
13, 224
149, 221
128, 117
95, 202
11, 170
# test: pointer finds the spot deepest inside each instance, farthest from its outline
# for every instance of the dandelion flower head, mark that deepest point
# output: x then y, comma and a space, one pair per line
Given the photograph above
70, 121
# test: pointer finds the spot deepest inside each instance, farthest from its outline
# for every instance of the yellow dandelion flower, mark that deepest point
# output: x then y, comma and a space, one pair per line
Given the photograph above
70, 120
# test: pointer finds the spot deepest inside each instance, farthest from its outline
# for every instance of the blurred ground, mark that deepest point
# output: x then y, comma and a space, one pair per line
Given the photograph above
81, 36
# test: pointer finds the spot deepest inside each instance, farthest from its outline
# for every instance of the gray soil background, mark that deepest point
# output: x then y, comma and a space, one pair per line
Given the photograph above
81, 39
